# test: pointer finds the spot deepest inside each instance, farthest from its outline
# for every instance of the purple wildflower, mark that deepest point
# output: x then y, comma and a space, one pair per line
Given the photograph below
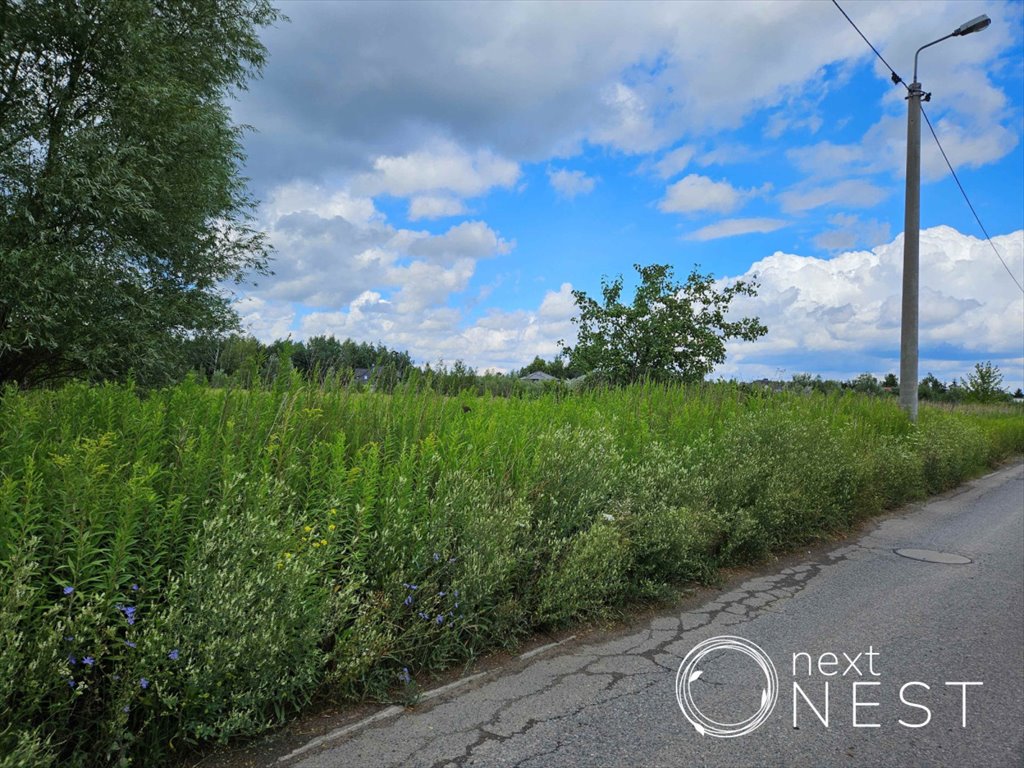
72, 660
69, 638
437, 557
424, 616
143, 682
68, 590
440, 618
410, 586
129, 643
404, 675
408, 600
134, 587
173, 655
126, 709
88, 661
71, 682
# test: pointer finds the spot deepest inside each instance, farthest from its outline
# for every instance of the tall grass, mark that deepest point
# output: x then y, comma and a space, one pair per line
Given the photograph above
198, 563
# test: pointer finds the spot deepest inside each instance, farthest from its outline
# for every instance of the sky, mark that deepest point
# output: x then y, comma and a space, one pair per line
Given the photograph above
440, 177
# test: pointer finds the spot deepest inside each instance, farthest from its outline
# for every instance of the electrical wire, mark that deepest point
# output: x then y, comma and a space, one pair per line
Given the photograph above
968, 201
897, 79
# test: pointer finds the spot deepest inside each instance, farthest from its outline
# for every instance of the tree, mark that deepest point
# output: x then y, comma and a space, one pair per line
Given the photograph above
121, 206
931, 388
890, 380
556, 368
671, 331
866, 383
985, 384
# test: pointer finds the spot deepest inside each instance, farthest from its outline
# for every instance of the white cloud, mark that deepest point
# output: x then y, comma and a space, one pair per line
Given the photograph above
470, 239
435, 207
569, 184
532, 81
443, 167
852, 193
675, 161
733, 227
843, 313
851, 231
263, 319
327, 259
695, 193
499, 340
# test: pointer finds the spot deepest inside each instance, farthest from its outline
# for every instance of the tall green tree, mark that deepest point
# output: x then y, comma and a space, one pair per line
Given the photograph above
670, 331
985, 384
122, 210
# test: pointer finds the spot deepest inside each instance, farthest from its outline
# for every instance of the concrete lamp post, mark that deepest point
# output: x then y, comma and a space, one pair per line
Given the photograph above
912, 228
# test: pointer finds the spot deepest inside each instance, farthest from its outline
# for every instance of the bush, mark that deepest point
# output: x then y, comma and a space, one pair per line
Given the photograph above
231, 553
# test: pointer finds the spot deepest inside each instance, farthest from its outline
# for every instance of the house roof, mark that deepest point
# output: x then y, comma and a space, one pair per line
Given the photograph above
539, 376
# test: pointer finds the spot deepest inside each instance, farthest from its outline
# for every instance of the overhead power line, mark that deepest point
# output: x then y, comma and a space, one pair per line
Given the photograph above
968, 201
899, 80
895, 78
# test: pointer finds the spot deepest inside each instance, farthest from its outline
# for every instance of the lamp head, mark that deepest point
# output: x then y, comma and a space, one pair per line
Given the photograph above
974, 25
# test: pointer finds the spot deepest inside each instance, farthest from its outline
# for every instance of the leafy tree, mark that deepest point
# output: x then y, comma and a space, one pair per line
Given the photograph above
931, 388
866, 383
226, 355
1018, 394
121, 206
985, 384
671, 330
556, 368
890, 380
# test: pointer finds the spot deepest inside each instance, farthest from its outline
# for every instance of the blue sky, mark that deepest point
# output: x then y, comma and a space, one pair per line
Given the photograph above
440, 176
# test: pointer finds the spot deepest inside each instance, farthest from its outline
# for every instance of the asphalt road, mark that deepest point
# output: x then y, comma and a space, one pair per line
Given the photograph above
613, 703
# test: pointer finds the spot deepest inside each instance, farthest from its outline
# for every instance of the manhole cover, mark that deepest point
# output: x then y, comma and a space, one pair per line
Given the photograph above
931, 556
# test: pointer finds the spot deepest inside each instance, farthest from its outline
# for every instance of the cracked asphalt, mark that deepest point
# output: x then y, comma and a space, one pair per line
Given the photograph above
613, 702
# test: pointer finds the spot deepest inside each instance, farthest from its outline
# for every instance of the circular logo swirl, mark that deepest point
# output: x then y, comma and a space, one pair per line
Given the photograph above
689, 672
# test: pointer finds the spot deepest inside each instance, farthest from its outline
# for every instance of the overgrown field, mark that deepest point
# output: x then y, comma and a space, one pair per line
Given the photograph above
198, 563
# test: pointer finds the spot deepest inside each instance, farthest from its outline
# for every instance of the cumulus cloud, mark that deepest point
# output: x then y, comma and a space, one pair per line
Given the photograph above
569, 184
500, 340
532, 81
734, 227
851, 231
852, 193
443, 167
435, 207
843, 313
696, 193
675, 161
342, 269
332, 247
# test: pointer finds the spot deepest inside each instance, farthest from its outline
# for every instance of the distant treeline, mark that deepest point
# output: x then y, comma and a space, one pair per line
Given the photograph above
244, 360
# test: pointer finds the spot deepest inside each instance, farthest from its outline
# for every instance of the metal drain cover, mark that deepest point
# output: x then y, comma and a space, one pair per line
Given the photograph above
931, 556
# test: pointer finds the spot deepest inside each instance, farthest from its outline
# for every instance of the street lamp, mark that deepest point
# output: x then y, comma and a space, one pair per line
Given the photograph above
912, 228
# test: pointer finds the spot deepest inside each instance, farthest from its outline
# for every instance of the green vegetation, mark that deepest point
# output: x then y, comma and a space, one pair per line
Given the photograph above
670, 332
121, 206
198, 563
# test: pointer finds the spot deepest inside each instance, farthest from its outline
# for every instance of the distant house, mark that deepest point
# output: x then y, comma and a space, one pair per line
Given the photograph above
538, 376
361, 375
